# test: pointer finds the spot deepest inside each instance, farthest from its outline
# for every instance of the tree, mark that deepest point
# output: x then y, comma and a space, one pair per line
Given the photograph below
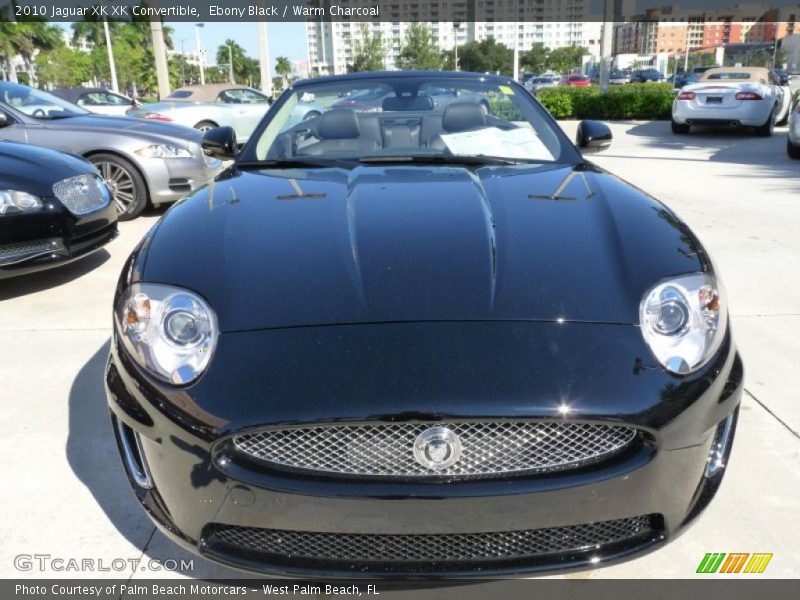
283, 67
368, 52
238, 55
535, 59
28, 38
566, 58
486, 56
63, 67
419, 51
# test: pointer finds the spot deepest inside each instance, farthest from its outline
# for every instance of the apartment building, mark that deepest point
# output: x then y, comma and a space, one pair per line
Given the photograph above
553, 23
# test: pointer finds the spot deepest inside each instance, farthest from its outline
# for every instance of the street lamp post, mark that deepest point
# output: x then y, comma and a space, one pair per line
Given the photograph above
111, 65
456, 26
230, 64
199, 48
183, 62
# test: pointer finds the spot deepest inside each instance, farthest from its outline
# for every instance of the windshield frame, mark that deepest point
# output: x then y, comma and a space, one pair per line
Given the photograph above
569, 154
72, 110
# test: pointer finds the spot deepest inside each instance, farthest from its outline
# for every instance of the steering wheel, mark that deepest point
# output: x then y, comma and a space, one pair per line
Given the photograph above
38, 113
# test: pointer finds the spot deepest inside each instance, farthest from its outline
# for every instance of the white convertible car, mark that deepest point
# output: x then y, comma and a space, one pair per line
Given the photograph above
207, 106
733, 97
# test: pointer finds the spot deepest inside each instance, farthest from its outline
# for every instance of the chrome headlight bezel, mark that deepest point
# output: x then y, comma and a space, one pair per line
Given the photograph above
150, 320
164, 151
16, 201
684, 320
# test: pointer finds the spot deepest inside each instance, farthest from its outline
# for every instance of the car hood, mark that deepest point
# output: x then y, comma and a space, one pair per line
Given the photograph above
273, 249
147, 129
34, 170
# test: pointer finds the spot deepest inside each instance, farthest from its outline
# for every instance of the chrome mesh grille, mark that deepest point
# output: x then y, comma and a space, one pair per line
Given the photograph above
421, 548
10, 253
488, 448
82, 194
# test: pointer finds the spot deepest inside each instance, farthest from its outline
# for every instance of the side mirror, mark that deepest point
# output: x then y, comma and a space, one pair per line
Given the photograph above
220, 142
3, 119
784, 80
593, 136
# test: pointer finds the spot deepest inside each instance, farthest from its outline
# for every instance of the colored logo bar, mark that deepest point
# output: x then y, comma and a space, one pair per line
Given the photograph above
734, 562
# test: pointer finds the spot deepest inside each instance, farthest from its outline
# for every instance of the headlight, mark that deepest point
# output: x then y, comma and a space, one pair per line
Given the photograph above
169, 331
12, 201
683, 320
164, 151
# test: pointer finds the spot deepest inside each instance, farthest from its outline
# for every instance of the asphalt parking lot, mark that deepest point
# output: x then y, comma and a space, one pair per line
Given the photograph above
65, 492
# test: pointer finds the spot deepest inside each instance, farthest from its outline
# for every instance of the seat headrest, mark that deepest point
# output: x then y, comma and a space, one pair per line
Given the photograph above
338, 125
393, 103
463, 116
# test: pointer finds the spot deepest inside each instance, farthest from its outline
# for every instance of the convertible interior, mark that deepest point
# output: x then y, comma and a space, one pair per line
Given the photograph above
405, 124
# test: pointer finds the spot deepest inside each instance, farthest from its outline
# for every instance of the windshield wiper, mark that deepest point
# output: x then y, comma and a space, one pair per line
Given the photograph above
295, 163
444, 159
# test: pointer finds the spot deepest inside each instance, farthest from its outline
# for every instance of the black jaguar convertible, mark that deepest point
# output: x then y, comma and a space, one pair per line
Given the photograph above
428, 339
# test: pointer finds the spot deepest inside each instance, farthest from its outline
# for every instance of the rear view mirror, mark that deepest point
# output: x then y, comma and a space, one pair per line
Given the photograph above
593, 136
220, 142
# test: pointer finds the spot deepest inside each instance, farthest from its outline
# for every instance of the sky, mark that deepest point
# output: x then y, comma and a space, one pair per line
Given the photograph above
285, 39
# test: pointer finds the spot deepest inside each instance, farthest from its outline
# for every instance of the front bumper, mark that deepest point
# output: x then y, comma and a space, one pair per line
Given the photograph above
198, 494
794, 128
746, 114
171, 179
51, 237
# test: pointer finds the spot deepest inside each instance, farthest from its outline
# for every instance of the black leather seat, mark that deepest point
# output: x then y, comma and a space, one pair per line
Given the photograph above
457, 117
340, 130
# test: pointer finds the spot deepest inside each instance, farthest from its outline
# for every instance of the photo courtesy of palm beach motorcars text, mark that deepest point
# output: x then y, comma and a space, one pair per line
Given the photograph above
399, 299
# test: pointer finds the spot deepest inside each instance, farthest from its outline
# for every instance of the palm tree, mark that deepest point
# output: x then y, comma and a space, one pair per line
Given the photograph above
237, 54
31, 37
283, 67
8, 49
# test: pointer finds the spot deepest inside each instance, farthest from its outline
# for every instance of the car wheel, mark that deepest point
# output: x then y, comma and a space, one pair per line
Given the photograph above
680, 128
205, 125
127, 186
792, 150
768, 127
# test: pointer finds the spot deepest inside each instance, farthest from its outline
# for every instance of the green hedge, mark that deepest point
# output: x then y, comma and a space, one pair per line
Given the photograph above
629, 101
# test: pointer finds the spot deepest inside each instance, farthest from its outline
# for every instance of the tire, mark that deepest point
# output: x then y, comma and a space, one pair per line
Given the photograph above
127, 186
768, 127
792, 150
205, 125
680, 129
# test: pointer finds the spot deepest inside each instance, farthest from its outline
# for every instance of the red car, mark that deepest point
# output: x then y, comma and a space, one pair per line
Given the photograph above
578, 80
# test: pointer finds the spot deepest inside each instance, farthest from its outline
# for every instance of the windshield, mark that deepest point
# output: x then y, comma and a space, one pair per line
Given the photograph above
435, 116
36, 104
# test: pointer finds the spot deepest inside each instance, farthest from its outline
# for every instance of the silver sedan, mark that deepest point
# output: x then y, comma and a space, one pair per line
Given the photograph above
141, 161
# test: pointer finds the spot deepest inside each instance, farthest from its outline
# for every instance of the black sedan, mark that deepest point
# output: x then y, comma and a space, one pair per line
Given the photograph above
54, 208
421, 342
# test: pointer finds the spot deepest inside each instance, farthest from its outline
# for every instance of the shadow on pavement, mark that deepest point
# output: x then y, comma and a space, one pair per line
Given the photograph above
93, 457
50, 278
764, 156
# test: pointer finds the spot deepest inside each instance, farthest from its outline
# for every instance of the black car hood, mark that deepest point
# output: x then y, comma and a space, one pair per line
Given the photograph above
391, 244
34, 170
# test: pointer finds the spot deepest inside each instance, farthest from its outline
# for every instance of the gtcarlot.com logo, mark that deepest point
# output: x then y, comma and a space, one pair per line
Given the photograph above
734, 562
48, 562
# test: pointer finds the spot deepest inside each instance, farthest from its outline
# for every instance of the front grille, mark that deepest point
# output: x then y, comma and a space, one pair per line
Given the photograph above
82, 194
487, 448
419, 549
13, 253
